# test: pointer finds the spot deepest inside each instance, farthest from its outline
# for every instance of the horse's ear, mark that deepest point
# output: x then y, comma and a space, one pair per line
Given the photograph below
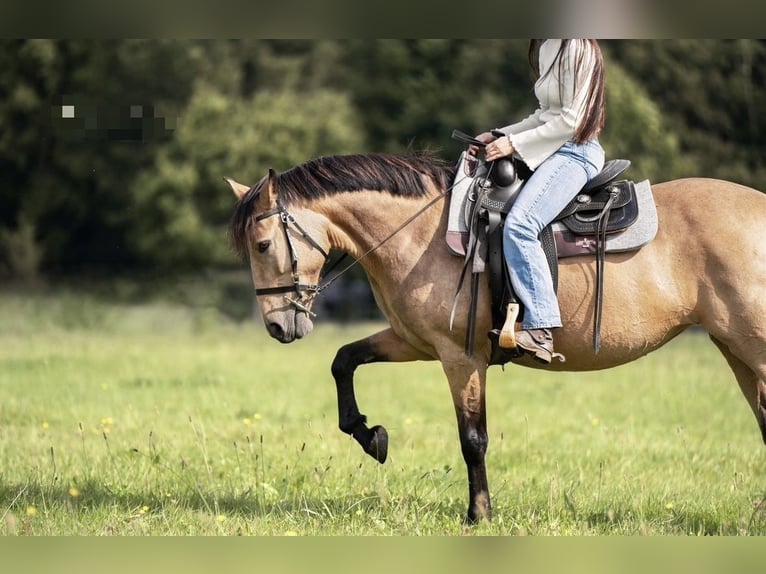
238, 189
271, 190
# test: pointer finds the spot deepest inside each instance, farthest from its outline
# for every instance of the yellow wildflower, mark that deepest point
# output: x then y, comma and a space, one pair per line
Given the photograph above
74, 492
31, 511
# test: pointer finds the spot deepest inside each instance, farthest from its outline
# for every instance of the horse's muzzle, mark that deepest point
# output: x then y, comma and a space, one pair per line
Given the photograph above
289, 326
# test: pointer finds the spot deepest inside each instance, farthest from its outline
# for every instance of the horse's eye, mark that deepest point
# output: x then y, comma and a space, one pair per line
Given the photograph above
263, 246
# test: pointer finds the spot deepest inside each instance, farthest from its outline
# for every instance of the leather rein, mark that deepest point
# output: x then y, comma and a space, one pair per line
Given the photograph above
303, 299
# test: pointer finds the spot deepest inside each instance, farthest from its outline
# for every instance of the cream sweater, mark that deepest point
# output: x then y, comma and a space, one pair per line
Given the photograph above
562, 103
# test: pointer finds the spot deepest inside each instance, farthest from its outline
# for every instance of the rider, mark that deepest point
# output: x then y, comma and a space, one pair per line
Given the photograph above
559, 142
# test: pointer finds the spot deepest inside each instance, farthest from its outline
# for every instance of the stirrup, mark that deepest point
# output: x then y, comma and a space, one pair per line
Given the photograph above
507, 336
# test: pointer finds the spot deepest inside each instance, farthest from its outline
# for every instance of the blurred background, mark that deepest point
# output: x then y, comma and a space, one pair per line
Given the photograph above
112, 152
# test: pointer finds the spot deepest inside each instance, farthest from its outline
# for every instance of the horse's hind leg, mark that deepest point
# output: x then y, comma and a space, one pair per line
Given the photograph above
752, 384
385, 346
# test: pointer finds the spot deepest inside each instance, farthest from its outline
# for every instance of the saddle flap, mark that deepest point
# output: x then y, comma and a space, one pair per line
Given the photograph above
597, 200
584, 212
501, 198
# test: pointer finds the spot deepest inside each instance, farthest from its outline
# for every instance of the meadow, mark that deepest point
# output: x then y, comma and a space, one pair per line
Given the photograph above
155, 418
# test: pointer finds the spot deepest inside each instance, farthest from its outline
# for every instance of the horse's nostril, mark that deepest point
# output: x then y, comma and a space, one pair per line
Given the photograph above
275, 330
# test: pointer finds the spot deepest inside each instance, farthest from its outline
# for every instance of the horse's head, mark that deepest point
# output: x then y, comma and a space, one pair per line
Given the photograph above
286, 249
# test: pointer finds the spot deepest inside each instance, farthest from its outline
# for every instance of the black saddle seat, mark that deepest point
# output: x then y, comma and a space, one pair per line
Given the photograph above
611, 170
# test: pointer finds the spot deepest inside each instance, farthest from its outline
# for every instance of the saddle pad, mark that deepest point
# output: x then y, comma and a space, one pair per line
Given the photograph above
637, 235
466, 170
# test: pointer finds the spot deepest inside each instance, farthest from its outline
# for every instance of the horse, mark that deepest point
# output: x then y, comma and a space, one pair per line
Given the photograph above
706, 267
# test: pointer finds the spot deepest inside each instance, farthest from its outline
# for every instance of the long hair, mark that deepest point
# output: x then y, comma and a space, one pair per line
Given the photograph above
591, 124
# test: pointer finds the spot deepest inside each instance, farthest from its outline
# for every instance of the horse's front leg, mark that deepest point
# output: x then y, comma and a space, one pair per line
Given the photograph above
385, 346
467, 380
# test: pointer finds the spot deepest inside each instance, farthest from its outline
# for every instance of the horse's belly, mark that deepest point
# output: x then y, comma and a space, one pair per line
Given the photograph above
644, 306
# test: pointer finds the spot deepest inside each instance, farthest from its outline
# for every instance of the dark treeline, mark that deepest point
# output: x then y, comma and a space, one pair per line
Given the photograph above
112, 152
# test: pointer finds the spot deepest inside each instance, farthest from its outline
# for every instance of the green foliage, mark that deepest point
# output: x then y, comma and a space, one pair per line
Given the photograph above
85, 118
653, 150
112, 151
712, 95
182, 202
415, 92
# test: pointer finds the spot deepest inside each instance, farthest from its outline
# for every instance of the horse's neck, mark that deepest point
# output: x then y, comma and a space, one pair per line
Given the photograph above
375, 223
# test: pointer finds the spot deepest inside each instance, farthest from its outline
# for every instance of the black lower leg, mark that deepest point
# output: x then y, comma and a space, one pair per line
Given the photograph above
373, 440
473, 442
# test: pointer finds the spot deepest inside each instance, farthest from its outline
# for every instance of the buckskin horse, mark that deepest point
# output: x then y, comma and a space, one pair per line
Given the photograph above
706, 266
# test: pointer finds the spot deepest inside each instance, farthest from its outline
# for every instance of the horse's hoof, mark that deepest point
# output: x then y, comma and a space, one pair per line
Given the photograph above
378, 445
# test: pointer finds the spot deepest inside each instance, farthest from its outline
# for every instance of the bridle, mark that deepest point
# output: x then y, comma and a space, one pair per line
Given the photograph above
307, 292
300, 289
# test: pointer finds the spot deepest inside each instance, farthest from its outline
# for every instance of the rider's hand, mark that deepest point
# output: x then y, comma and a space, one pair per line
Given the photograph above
500, 147
486, 137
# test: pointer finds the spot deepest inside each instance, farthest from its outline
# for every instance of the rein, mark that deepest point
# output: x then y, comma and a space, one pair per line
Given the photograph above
303, 300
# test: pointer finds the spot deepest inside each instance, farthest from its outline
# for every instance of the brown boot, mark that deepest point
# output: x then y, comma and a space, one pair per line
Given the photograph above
539, 343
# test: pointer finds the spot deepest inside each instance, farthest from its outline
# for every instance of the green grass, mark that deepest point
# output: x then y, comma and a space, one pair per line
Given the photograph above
165, 419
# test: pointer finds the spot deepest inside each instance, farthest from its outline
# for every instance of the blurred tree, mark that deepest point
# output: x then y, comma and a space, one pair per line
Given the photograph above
712, 94
636, 130
183, 205
81, 119
415, 92
112, 151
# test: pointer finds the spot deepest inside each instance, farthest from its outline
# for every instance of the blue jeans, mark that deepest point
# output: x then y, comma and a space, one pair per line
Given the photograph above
550, 188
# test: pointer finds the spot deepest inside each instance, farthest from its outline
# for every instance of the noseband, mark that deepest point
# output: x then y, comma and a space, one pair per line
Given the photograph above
299, 288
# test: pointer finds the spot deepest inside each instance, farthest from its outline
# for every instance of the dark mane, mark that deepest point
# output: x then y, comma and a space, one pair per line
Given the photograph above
406, 176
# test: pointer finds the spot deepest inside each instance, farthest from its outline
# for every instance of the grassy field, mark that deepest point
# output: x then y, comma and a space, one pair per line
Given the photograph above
163, 419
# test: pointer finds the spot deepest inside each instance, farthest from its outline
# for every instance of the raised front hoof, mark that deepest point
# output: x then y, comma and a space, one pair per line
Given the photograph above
377, 448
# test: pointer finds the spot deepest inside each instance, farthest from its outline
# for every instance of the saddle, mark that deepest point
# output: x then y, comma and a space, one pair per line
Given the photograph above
603, 209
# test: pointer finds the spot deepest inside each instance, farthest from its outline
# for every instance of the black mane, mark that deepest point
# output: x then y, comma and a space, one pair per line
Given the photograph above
406, 176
